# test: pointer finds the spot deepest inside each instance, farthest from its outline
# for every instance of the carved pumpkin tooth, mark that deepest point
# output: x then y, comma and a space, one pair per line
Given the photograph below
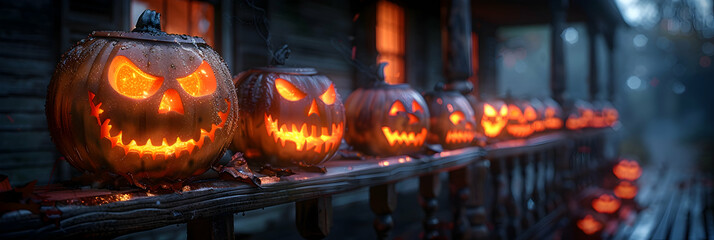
304, 131
314, 131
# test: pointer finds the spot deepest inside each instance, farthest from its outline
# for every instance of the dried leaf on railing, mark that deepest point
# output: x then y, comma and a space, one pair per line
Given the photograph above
237, 169
19, 198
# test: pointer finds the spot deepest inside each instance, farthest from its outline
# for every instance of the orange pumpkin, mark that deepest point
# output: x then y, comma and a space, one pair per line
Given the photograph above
538, 124
386, 120
288, 117
153, 107
553, 114
452, 122
606, 203
626, 190
493, 116
627, 170
581, 114
589, 225
521, 116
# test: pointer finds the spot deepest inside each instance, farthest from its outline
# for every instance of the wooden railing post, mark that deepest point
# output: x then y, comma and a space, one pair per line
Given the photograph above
528, 188
499, 208
313, 217
383, 201
475, 209
219, 227
460, 182
539, 194
514, 210
429, 187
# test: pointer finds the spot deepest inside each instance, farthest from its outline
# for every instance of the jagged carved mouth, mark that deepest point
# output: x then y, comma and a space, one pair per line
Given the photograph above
460, 136
492, 129
306, 137
520, 130
165, 149
405, 138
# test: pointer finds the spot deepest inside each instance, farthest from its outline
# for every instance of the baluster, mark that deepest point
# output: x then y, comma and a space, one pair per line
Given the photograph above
383, 201
540, 180
217, 227
551, 185
514, 212
498, 207
429, 187
459, 181
565, 175
313, 217
527, 191
475, 209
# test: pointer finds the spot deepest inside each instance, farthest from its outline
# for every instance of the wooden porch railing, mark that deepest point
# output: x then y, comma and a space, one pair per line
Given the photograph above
511, 189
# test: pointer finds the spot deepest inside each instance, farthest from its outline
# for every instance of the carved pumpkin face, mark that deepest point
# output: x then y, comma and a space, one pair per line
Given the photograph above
521, 116
627, 170
589, 225
606, 203
605, 115
581, 114
538, 124
452, 122
626, 190
553, 114
386, 120
155, 109
494, 116
292, 117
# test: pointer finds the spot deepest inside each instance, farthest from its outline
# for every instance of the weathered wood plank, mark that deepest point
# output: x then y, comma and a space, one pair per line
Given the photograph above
216, 197
25, 141
23, 122
22, 104
20, 160
32, 86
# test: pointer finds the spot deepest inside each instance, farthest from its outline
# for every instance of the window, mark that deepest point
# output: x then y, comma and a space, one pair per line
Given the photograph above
191, 17
390, 40
474, 62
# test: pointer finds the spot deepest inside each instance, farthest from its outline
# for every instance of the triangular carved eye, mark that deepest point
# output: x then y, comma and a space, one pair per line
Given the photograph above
128, 80
416, 107
199, 83
288, 91
488, 110
397, 107
329, 96
457, 117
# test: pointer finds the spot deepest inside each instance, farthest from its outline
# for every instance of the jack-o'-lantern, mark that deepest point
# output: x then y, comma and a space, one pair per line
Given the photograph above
553, 114
288, 117
521, 116
386, 120
581, 114
153, 107
625, 190
493, 116
605, 115
589, 225
606, 203
538, 124
627, 170
452, 122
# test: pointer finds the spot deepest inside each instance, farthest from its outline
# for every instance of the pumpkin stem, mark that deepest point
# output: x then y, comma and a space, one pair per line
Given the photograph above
279, 57
149, 21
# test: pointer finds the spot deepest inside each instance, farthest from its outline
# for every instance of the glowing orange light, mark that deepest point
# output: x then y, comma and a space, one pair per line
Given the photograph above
313, 109
150, 149
457, 117
390, 40
492, 128
520, 128
397, 107
606, 204
416, 107
406, 138
611, 116
199, 83
329, 96
127, 79
626, 190
171, 101
589, 225
552, 121
288, 91
627, 170
303, 138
